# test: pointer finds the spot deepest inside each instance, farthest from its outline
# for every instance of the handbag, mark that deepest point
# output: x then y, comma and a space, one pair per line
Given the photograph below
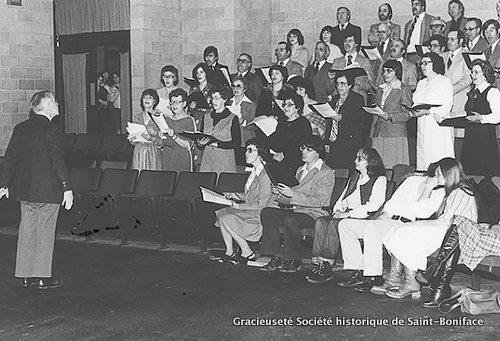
472, 302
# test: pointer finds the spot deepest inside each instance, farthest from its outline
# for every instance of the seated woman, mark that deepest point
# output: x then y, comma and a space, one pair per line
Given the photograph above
411, 243
300, 54
286, 140
146, 154
305, 88
389, 134
175, 150
219, 156
169, 77
241, 222
244, 108
277, 90
363, 194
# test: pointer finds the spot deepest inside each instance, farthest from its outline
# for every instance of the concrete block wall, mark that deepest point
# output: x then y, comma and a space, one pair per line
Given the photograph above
311, 15
26, 60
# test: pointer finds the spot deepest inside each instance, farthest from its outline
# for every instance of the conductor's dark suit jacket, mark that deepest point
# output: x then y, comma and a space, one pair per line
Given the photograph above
34, 168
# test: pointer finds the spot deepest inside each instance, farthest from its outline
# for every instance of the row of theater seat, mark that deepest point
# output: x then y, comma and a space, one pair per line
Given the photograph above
162, 205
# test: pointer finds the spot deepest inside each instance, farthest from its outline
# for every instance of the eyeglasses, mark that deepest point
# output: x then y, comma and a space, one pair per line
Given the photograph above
451, 38
169, 76
468, 29
379, 32
250, 150
304, 147
176, 102
288, 104
239, 60
148, 97
342, 83
237, 86
435, 26
216, 98
425, 62
384, 70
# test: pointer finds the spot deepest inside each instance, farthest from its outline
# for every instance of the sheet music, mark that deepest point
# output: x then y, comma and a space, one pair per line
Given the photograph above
267, 124
161, 123
372, 52
265, 72
324, 109
211, 196
374, 110
226, 74
136, 130
164, 107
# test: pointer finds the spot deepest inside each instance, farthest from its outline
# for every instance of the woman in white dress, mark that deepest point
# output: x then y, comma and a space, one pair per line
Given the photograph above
412, 243
433, 141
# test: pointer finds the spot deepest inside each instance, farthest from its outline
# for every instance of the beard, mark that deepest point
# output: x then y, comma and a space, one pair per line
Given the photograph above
382, 17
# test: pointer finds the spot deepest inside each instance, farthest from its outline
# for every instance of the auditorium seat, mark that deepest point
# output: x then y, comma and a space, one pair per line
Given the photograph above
176, 212
205, 211
137, 210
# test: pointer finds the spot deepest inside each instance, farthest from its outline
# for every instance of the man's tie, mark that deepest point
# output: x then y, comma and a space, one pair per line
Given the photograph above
349, 60
381, 48
280, 63
316, 68
450, 60
412, 27
334, 131
490, 50
470, 46
342, 27
240, 75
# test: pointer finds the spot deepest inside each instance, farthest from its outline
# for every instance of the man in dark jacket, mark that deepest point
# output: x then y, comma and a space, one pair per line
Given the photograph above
35, 173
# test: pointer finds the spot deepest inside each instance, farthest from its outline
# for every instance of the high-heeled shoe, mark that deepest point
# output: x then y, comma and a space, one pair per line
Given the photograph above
244, 260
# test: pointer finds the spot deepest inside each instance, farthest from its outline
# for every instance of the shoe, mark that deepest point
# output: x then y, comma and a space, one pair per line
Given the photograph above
228, 259
356, 278
322, 274
48, 283
410, 286
244, 260
393, 281
29, 282
315, 261
273, 265
292, 265
368, 283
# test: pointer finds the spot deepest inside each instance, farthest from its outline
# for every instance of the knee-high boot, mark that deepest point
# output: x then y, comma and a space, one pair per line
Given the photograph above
450, 241
440, 285
394, 279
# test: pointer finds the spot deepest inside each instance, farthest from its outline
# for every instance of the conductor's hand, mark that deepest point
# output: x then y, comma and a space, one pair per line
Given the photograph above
67, 200
285, 190
4, 192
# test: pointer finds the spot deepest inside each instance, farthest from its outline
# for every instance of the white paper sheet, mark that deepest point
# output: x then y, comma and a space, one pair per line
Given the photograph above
374, 111
324, 109
267, 124
211, 196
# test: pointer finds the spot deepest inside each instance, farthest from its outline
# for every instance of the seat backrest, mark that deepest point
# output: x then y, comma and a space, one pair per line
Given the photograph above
341, 173
85, 179
113, 164
391, 187
111, 143
156, 182
188, 184
68, 140
389, 174
231, 182
400, 172
338, 187
118, 181
125, 145
87, 142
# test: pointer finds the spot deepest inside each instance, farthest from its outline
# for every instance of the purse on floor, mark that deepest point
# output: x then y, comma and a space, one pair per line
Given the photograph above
472, 302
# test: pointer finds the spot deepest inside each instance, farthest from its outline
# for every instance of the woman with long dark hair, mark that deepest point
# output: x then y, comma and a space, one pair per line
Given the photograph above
363, 195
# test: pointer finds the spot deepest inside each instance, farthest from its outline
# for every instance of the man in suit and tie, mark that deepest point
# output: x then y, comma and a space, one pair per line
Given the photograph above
384, 45
244, 67
475, 41
398, 50
345, 28
457, 71
211, 57
491, 29
34, 172
456, 10
307, 198
283, 53
417, 30
437, 27
385, 16
362, 84
317, 72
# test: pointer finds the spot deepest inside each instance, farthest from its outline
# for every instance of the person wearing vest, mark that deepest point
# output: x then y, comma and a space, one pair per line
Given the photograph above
480, 151
363, 195
414, 198
219, 156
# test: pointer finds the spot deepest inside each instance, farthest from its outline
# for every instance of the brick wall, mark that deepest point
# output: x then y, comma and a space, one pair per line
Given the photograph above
26, 60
